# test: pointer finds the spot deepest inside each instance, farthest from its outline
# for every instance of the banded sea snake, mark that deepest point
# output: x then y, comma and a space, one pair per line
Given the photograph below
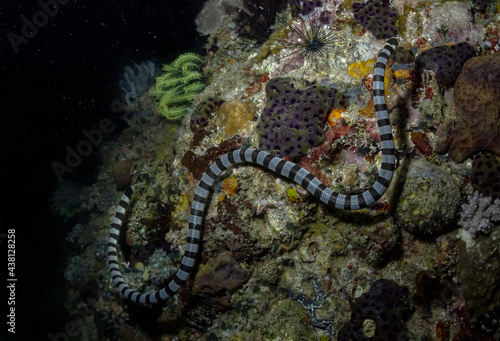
284, 168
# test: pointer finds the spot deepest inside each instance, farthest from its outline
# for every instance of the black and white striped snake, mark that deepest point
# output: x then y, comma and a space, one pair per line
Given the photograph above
284, 168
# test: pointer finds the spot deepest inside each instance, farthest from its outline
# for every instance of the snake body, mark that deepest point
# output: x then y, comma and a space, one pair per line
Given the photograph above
282, 167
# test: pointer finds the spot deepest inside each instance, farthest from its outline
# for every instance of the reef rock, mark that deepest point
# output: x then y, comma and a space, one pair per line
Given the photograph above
379, 314
485, 174
220, 275
205, 110
477, 123
479, 271
429, 200
121, 173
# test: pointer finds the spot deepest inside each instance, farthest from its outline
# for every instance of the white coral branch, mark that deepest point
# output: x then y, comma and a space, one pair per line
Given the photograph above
479, 214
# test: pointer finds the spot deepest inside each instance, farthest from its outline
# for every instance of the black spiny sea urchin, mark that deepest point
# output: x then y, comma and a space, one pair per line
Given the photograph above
310, 40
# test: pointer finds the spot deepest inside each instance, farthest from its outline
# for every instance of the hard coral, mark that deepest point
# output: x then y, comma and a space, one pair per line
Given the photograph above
235, 116
181, 83
445, 61
385, 307
293, 119
451, 21
477, 123
480, 214
378, 17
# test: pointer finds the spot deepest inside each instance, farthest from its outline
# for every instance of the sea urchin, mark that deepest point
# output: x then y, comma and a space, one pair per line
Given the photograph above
310, 40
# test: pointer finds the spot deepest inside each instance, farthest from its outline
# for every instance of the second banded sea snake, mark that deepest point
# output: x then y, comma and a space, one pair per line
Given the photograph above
284, 168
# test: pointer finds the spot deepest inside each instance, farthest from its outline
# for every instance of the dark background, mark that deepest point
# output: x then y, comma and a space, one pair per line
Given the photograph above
63, 80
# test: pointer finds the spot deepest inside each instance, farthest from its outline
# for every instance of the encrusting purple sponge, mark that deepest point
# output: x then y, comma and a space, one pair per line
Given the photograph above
445, 61
292, 121
378, 17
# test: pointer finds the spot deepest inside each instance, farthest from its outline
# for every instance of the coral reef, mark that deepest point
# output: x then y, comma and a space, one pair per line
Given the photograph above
379, 314
204, 112
477, 124
220, 275
312, 305
485, 174
122, 173
312, 41
176, 89
478, 6
446, 61
270, 231
210, 18
303, 7
292, 121
378, 17
254, 18
479, 272
403, 55
429, 199
66, 200
421, 142
228, 232
451, 23
480, 214
199, 164
160, 267
234, 116
136, 80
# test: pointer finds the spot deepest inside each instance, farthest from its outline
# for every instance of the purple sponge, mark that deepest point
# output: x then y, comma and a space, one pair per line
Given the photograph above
292, 121
445, 61
386, 304
378, 17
